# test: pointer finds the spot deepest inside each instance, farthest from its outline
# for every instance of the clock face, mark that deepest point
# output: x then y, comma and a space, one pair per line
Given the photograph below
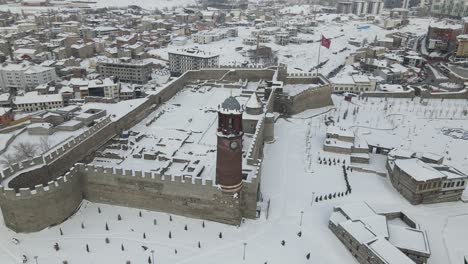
233, 145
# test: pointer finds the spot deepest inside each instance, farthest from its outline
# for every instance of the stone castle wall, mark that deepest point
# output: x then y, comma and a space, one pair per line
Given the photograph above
311, 98
33, 210
404, 94
463, 94
38, 196
166, 193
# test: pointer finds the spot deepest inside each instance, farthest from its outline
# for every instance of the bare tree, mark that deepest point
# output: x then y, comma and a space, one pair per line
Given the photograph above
44, 144
8, 160
25, 150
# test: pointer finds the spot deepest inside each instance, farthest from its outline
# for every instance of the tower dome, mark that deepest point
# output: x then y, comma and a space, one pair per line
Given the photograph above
231, 105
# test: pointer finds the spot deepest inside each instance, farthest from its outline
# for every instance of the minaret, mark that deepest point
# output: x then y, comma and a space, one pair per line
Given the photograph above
229, 151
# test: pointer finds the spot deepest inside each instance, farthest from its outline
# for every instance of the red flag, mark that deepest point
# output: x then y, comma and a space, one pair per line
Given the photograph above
325, 42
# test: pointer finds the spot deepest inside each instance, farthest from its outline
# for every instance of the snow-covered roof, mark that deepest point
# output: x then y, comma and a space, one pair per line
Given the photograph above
385, 250
418, 170
4, 97
4, 110
34, 97
408, 238
444, 25
254, 102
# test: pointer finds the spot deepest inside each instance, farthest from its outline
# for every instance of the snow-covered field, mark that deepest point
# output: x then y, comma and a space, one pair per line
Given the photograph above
291, 177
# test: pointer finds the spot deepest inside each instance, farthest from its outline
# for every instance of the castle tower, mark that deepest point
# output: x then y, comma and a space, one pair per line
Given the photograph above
229, 151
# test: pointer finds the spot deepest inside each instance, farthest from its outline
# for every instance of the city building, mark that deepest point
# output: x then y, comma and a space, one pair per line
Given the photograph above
6, 116
461, 52
442, 36
376, 236
102, 88
131, 71
191, 59
422, 178
353, 83
33, 101
24, 76
453, 8
360, 8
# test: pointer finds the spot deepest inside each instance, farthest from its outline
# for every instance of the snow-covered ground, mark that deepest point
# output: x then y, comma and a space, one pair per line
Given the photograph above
303, 57
146, 4
182, 128
291, 177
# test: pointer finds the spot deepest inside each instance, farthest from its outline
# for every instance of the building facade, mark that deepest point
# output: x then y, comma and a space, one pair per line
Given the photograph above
360, 8
23, 76
33, 101
191, 59
425, 181
133, 71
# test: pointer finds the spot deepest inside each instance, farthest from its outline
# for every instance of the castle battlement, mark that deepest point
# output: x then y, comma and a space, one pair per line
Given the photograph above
240, 67
302, 74
18, 167
51, 186
257, 142
76, 140
101, 171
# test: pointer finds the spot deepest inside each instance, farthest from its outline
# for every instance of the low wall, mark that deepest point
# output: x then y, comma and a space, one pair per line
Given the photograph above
463, 94
405, 94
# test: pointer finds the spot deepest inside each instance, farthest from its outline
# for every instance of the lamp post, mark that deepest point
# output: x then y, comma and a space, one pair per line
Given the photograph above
245, 245
313, 196
302, 213
152, 254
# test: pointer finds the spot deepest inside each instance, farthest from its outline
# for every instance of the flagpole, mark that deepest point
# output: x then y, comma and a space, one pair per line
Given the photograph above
318, 59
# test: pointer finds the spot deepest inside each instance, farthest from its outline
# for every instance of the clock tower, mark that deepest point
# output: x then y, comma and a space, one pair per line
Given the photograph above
229, 151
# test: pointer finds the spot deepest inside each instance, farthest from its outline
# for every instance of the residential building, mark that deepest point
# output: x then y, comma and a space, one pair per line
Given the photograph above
461, 52
6, 116
24, 76
103, 88
33, 101
360, 8
131, 71
442, 36
412, 59
453, 8
191, 59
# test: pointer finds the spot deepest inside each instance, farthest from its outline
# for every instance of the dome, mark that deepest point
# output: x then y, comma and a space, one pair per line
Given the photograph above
231, 104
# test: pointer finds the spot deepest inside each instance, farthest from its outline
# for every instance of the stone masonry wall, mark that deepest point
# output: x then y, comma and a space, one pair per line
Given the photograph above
34, 210
311, 98
152, 191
